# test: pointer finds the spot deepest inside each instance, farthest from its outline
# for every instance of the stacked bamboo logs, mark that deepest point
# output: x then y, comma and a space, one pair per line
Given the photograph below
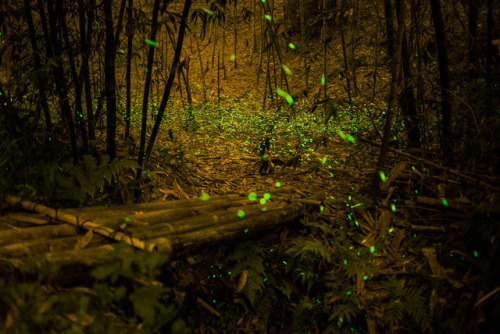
86, 235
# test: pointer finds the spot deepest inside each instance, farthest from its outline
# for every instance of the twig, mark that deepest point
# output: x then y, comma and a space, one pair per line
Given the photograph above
435, 165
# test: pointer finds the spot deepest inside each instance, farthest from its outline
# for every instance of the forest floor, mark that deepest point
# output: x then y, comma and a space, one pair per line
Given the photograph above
218, 154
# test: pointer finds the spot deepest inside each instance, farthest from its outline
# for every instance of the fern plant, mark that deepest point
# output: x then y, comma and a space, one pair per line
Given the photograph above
82, 181
249, 256
327, 267
15, 176
405, 298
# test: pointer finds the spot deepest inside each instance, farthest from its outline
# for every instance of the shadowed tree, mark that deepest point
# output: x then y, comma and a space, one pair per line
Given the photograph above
110, 80
149, 67
444, 80
389, 117
128, 70
54, 50
85, 42
202, 16
407, 100
77, 82
235, 34
38, 67
171, 77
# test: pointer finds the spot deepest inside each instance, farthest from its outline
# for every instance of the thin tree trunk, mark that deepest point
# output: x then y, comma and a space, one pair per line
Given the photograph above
147, 84
304, 46
60, 80
215, 42
489, 59
273, 38
254, 30
171, 77
389, 26
218, 79
189, 97
84, 47
261, 45
352, 47
346, 63
472, 36
110, 80
202, 71
80, 121
224, 47
409, 106
444, 79
324, 38
120, 24
235, 33
395, 71
131, 27
38, 67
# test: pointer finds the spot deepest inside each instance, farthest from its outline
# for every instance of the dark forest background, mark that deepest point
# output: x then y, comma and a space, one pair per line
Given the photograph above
387, 101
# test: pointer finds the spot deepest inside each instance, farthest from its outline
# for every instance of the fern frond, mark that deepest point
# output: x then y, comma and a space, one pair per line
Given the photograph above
394, 312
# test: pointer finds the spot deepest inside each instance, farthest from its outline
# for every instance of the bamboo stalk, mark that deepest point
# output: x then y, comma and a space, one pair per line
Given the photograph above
162, 245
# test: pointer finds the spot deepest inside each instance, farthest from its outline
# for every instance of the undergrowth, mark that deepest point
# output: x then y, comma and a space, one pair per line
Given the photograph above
319, 276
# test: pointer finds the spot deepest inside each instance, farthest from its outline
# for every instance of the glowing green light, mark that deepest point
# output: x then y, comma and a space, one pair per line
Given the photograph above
393, 207
150, 42
286, 69
126, 219
365, 277
268, 17
278, 184
382, 175
245, 231
208, 11
321, 208
252, 196
350, 138
233, 57
240, 213
323, 80
445, 202
476, 254
291, 46
281, 92
372, 249
267, 196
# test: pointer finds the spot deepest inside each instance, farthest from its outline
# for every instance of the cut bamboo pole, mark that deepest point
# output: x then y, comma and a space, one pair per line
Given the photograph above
162, 245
